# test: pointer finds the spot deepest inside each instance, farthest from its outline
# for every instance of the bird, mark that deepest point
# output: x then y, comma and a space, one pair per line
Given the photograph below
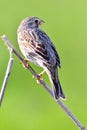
37, 47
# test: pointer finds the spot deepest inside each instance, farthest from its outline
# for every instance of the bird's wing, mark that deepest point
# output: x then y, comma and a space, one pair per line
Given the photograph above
41, 47
49, 47
34, 47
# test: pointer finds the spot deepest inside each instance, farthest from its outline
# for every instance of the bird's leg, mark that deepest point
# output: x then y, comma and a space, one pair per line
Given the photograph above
25, 63
39, 76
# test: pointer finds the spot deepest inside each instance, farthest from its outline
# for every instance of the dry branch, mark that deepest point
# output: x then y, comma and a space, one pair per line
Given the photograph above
8, 71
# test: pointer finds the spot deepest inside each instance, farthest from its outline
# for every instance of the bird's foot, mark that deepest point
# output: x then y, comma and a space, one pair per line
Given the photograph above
25, 63
39, 76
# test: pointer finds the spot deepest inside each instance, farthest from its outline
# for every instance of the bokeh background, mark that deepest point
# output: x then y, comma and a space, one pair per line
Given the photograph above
26, 105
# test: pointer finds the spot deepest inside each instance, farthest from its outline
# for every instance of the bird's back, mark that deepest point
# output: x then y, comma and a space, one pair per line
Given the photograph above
44, 39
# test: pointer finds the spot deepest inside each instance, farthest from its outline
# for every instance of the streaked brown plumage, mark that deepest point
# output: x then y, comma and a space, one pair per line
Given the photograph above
37, 47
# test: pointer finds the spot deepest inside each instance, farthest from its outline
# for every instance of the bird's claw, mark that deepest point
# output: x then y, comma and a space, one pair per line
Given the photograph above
39, 77
25, 63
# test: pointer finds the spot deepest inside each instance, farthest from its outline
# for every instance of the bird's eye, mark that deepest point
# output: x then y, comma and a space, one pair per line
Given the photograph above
36, 21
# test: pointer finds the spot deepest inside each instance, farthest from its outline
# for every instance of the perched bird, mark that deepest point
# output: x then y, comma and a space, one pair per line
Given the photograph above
37, 47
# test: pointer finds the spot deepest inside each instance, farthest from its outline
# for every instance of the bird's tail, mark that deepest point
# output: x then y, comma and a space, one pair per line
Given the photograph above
53, 76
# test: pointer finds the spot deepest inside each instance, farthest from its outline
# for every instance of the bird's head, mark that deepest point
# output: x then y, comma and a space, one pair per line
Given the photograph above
32, 22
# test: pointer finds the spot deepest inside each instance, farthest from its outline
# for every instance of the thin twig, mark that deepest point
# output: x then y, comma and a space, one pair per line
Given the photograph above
63, 106
8, 71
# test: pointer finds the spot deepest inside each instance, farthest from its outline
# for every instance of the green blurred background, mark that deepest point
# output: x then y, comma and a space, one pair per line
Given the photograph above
26, 105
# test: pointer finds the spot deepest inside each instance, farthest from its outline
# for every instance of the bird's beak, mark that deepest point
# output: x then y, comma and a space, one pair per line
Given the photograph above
41, 22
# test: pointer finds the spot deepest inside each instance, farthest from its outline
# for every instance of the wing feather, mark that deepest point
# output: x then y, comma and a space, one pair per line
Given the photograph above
40, 46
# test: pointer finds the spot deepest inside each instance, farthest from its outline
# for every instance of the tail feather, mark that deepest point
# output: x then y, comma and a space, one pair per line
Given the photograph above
53, 76
58, 92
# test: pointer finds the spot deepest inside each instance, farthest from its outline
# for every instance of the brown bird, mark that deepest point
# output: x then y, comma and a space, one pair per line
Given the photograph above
37, 47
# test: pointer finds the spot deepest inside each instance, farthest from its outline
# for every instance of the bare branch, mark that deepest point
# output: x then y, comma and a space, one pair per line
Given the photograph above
9, 67
63, 106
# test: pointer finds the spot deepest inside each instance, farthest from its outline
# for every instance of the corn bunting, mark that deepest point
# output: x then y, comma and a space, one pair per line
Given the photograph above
37, 47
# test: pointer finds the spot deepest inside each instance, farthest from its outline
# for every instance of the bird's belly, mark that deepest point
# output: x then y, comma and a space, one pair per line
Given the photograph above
30, 55
34, 59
